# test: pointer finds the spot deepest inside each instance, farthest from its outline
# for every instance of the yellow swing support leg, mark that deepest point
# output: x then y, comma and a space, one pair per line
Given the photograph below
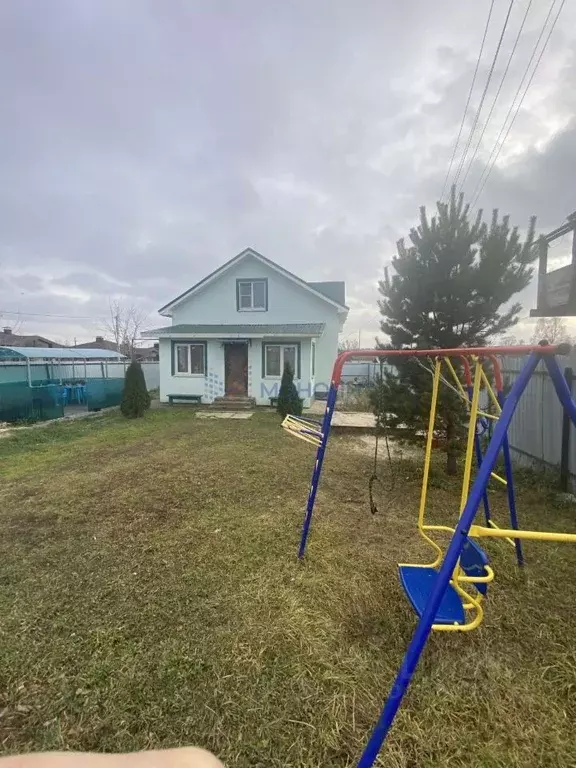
468, 460
471, 434
427, 460
462, 611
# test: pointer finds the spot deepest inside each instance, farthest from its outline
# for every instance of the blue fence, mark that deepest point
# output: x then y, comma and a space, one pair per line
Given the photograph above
103, 393
44, 401
19, 402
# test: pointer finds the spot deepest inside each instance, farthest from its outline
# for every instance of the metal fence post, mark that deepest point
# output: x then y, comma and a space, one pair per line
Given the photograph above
566, 428
542, 299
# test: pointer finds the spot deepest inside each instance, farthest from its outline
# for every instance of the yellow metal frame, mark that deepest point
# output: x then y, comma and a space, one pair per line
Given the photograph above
422, 527
485, 381
427, 459
480, 531
470, 602
456, 378
470, 444
491, 393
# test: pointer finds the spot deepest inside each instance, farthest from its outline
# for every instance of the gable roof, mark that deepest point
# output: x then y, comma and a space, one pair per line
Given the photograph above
16, 340
98, 343
317, 291
333, 289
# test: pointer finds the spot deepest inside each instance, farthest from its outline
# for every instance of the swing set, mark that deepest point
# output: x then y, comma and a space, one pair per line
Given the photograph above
447, 594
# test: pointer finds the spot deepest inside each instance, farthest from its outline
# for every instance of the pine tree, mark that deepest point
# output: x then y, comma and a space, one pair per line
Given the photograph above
135, 398
452, 288
288, 397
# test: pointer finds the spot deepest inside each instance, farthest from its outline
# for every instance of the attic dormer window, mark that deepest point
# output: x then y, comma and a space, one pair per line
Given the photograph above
252, 295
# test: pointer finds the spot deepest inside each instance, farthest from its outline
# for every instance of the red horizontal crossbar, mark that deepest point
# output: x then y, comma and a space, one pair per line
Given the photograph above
489, 352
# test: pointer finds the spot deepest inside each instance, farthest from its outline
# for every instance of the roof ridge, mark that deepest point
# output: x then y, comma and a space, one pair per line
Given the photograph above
243, 254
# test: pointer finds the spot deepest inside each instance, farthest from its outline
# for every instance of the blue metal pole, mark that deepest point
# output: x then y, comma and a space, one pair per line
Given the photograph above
510, 490
326, 423
424, 627
561, 387
478, 451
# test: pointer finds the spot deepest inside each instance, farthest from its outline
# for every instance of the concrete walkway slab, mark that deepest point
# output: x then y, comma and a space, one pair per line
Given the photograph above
354, 420
345, 420
224, 414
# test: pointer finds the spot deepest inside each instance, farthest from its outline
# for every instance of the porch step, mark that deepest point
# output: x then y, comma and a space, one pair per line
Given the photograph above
233, 403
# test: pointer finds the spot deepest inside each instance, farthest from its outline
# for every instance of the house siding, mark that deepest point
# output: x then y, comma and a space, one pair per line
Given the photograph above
207, 386
326, 353
267, 387
212, 384
288, 302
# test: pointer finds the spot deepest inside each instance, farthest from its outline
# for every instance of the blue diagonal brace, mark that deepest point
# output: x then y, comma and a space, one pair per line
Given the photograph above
424, 627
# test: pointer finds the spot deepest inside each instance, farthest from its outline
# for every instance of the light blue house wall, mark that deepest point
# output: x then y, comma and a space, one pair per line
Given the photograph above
215, 303
287, 303
212, 385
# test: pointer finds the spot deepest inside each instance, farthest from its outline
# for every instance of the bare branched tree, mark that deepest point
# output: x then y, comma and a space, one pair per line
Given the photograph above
15, 324
124, 323
347, 344
551, 329
509, 340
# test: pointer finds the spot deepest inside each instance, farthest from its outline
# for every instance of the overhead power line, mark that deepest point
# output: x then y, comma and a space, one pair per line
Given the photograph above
495, 99
468, 100
484, 92
497, 149
42, 314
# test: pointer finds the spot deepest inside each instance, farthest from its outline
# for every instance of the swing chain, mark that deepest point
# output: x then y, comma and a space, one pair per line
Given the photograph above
380, 428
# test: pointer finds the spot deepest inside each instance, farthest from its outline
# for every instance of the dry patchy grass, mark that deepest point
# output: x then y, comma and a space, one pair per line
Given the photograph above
151, 597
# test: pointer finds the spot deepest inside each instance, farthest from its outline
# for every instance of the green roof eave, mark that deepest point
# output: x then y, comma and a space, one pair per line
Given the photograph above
303, 330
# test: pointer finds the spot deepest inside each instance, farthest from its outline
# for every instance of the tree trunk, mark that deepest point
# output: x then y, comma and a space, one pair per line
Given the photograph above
451, 451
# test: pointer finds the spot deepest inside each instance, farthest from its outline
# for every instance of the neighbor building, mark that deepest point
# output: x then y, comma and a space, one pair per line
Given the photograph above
10, 339
99, 343
142, 354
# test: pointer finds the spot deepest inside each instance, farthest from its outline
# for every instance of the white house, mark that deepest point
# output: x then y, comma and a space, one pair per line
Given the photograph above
233, 332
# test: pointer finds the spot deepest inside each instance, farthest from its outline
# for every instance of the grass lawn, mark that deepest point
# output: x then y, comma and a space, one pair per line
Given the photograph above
151, 597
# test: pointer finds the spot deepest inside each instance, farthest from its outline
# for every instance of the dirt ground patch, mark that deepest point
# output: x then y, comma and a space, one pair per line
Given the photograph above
365, 444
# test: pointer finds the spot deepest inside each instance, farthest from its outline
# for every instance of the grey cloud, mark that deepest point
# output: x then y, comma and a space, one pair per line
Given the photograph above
27, 283
541, 182
145, 143
90, 281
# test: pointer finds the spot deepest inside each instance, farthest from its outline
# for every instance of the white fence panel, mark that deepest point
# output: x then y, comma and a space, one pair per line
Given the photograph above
535, 433
151, 372
152, 375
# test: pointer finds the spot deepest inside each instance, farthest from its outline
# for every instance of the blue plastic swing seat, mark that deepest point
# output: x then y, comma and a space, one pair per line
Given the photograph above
418, 582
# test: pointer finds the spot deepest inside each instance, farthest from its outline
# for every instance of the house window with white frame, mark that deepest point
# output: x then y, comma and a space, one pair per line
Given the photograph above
275, 358
189, 359
252, 295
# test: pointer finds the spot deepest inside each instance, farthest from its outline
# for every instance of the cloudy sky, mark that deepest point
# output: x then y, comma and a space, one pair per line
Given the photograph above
144, 142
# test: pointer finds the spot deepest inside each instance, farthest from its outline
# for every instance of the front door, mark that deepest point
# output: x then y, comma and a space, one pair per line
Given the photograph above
236, 368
